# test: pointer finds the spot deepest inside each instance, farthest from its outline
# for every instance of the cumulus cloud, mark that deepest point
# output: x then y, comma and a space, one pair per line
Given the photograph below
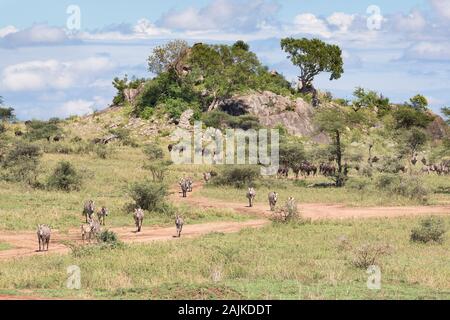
308, 23
341, 20
40, 34
7, 30
79, 107
412, 22
52, 74
429, 51
442, 7
223, 15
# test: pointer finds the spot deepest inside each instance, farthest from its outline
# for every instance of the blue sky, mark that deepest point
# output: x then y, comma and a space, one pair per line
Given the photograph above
399, 48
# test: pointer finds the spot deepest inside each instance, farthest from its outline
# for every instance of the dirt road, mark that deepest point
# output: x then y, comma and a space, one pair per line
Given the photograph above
314, 211
25, 243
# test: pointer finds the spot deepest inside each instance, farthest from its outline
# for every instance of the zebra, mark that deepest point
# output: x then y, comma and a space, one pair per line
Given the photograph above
190, 184
88, 210
273, 198
251, 194
207, 176
43, 233
184, 184
179, 223
138, 218
102, 214
92, 228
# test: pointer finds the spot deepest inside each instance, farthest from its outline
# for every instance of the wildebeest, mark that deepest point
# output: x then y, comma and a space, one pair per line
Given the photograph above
251, 195
283, 172
138, 218
207, 176
179, 223
327, 169
273, 198
43, 233
308, 169
88, 210
184, 185
102, 214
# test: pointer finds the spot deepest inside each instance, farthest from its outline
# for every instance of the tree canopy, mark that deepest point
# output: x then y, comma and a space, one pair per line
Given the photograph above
313, 56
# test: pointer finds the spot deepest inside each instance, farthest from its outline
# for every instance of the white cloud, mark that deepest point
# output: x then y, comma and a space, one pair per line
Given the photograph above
52, 74
442, 7
222, 15
40, 34
430, 51
412, 22
7, 30
309, 24
341, 20
78, 107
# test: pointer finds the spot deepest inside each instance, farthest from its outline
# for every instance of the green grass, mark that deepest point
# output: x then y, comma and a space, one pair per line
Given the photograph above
277, 262
5, 246
105, 181
304, 194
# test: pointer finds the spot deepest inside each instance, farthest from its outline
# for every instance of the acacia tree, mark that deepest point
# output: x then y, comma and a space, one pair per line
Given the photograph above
313, 57
419, 102
6, 114
336, 122
446, 112
168, 57
369, 99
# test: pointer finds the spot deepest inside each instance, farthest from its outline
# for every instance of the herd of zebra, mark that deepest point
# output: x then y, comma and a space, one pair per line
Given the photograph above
91, 229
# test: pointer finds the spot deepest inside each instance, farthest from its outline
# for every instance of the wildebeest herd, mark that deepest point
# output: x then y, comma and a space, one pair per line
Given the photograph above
307, 169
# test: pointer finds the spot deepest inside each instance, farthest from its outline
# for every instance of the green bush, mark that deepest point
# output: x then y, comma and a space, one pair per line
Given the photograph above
109, 238
407, 186
360, 184
153, 152
148, 195
238, 176
102, 151
65, 177
158, 169
21, 163
430, 229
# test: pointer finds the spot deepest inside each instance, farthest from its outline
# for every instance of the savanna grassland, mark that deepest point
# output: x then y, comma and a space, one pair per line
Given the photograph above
278, 262
372, 154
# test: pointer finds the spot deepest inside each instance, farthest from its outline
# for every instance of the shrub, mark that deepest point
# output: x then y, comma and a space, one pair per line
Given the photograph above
406, 186
102, 151
288, 213
22, 162
40, 130
153, 152
369, 254
148, 195
430, 229
158, 169
109, 238
238, 176
65, 177
359, 184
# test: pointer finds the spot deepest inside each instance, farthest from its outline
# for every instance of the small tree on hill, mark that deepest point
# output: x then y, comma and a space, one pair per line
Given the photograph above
313, 57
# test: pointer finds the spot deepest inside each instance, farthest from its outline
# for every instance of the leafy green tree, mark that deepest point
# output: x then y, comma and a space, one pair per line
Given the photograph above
414, 140
419, 102
313, 57
369, 99
292, 156
336, 122
446, 113
6, 114
407, 117
169, 57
